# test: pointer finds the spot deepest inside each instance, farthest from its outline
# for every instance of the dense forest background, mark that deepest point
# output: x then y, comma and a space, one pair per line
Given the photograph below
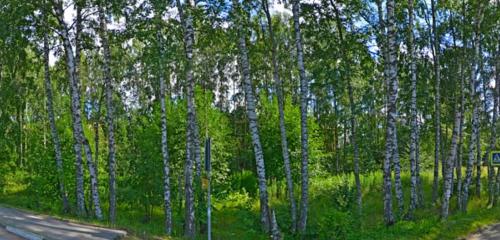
327, 119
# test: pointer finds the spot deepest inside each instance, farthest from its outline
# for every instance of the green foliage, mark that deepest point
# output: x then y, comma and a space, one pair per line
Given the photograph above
215, 124
271, 140
334, 224
245, 181
344, 196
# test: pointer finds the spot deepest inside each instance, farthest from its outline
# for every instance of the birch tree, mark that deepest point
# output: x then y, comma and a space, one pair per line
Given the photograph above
192, 142
493, 128
387, 183
167, 206
437, 103
448, 168
279, 93
497, 97
475, 109
109, 113
72, 63
303, 119
52, 122
391, 154
252, 116
459, 161
413, 118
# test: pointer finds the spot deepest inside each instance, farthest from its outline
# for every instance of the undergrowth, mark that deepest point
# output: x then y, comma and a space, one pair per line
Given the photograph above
333, 213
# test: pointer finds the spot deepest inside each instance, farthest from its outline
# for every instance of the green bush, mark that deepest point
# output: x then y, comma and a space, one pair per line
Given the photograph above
335, 224
246, 181
343, 195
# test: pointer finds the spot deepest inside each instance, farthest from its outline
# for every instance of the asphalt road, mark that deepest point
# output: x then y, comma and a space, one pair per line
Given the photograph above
488, 233
4, 235
52, 228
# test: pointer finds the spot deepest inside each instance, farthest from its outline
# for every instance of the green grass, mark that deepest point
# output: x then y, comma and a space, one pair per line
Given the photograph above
332, 213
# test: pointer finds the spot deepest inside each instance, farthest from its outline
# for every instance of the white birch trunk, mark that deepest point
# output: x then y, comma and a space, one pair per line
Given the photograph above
473, 143
303, 119
284, 142
164, 138
192, 143
437, 106
252, 119
413, 118
78, 134
53, 128
109, 115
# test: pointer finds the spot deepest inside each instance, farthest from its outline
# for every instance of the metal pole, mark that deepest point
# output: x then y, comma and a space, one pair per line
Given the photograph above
208, 168
209, 222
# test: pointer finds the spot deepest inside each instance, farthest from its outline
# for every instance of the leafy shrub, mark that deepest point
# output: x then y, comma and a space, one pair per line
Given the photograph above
239, 200
331, 224
343, 195
245, 180
334, 224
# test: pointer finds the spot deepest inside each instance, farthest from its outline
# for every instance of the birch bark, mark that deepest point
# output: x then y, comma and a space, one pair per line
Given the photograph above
413, 118
164, 137
448, 167
284, 142
53, 128
252, 119
192, 145
387, 186
437, 104
475, 112
303, 119
109, 114
72, 63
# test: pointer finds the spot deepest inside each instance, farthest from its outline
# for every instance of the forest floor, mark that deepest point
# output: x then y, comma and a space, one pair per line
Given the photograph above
332, 214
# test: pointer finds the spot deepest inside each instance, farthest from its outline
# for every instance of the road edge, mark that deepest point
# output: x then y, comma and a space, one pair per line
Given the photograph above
24, 233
